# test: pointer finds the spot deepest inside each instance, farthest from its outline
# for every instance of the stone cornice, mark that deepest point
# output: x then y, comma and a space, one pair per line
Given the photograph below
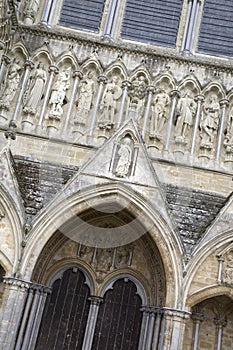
223, 64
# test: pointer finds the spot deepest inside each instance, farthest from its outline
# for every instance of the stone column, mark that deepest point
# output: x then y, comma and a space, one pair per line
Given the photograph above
52, 70
32, 314
199, 99
101, 80
175, 94
223, 104
150, 329
78, 75
174, 329
155, 342
144, 327
12, 311
28, 66
48, 12
125, 86
91, 322
220, 323
151, 91
197, 319
4, 63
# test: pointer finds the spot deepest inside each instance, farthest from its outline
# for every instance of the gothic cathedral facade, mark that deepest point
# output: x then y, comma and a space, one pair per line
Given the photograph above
116, 164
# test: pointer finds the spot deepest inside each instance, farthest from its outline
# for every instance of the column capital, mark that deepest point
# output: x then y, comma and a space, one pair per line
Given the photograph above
224, 102
175, 93
220, 322
16, 282
78, 74
197, 317
53, 69
199, 98
126, 84
29, 64
151, 89
176, 313
6, 59
95, 300
102, 79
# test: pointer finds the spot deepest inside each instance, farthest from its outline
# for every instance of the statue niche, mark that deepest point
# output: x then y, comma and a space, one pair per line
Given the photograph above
109, 104
124, 157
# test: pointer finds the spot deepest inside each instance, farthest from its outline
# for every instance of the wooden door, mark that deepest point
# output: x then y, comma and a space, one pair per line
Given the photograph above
119, 319
65, 314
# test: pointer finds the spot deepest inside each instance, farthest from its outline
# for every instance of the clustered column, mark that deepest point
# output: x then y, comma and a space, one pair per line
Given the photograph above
31, 317
16, 293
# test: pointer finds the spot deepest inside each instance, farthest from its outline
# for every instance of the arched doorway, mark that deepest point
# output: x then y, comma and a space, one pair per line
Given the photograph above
66, 312
119, 319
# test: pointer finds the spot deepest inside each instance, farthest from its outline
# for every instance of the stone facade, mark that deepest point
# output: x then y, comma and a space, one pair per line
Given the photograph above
116, 160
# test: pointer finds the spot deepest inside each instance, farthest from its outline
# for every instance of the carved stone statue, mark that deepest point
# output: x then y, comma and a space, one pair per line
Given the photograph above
58, 94
36, 89
210, 121
30, 10
228, 274
122, 257
84, 99
11, 84
137, 95
124, 162
185, 112
104, 259
159, 114
108, 104
228, 142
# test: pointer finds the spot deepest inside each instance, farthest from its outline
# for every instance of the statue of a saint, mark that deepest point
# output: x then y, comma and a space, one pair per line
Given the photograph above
108, 105
186, 108
36, 89
11, 84
228, 275
58, 94
30, 10
124, 162
159, 114
84, 99
210, 121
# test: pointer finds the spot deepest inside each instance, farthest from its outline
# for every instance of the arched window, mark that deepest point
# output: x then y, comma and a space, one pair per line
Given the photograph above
119, 319
65, 315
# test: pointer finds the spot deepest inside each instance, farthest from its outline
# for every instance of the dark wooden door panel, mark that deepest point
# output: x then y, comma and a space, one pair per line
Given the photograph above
119, 319
65, 315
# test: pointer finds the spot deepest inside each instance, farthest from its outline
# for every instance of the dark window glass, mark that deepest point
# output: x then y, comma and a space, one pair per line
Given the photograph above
216, 32
152, 21
82, 14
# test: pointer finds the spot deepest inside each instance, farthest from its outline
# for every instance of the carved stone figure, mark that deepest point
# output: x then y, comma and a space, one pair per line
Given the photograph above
137, 95
36, 89
185, 112
58, 94
124, 162
84, 99
159, 114
210, 121
86, 254
228, 142
122, 257
108, 104
30, 10
104, 259
228, 274
11, 84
